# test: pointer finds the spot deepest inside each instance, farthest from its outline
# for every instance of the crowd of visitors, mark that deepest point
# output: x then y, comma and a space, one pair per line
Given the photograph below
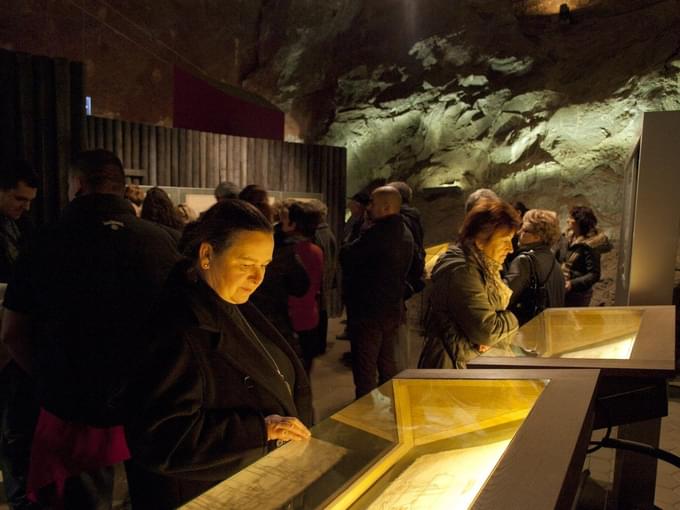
138, 333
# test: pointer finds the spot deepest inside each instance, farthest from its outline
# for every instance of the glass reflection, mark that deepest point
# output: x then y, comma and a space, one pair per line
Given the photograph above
411, 443
576, 333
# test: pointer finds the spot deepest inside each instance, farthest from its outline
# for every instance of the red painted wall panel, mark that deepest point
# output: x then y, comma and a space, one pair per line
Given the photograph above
198, 105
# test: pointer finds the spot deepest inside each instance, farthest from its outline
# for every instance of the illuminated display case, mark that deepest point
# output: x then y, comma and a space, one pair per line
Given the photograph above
634, 347
619, 340
434, 439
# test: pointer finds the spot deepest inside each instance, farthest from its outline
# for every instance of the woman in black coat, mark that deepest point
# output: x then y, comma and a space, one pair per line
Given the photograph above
534, 275
221, 386
579, 253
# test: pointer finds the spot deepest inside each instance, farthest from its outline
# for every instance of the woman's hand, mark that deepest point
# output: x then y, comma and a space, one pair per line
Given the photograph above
285, 428
483, 348
567, 285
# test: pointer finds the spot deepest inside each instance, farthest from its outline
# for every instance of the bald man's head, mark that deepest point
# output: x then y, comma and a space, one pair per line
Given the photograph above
385, 201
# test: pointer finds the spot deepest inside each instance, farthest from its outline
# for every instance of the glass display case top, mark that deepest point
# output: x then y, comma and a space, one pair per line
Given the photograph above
412, 443
588, 333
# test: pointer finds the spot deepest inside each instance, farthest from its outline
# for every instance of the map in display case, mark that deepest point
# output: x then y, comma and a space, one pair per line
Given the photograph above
414, 443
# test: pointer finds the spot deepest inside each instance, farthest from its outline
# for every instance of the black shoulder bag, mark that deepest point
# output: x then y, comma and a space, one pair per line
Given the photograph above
535, 297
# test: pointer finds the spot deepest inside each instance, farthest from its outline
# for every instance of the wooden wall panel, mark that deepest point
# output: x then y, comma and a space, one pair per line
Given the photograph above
175, 165
182, 157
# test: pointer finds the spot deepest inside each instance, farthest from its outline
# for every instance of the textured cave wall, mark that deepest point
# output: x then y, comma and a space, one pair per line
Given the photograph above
477, 93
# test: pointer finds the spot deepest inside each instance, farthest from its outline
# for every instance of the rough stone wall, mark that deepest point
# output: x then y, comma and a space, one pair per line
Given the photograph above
468, 94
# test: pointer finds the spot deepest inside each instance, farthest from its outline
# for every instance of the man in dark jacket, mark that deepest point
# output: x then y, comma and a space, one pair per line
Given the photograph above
375, 267
73, 320
285, 276
18, 408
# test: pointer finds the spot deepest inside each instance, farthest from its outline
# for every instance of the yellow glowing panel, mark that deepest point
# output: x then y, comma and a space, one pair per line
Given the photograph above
435, 481
440, 425
596, 333
620, 349
411, 443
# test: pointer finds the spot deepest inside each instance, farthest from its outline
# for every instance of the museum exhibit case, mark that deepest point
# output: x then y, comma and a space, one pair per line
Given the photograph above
634, 347
618, 340
651, 213
432, 439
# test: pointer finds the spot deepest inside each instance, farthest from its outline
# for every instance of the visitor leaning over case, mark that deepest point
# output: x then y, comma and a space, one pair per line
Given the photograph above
221, 386
468, 304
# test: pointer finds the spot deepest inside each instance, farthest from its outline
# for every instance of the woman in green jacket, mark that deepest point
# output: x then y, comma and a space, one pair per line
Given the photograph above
467, 312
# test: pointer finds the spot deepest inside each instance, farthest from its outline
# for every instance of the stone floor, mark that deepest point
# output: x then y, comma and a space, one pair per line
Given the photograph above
333, 390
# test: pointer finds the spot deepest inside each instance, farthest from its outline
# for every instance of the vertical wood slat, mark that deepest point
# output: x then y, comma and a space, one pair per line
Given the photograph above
196, 159
285, 158
108, 134
251, 170
127, 144
274, 167
233, 159
174, 165
222, 152
214, 179
208, 159
167, 171
243, 162
136, 142
91, 138
62, 107
99, 133
156, 156
202, 137
262, 147
289, 169
300, 168
150, 159
187, 158
118, 138
160, 156
213, 159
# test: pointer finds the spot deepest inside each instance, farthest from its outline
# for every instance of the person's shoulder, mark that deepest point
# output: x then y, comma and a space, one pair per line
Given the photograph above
523, 259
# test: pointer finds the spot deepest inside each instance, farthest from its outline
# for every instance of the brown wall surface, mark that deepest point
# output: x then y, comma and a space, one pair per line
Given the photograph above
129, 47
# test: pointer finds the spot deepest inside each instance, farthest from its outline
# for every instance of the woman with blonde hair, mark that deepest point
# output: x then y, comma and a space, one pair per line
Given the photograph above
534, 274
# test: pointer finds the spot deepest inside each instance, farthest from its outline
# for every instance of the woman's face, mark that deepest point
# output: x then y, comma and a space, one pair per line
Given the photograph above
286, 225
236, 272
573, 226
498, 245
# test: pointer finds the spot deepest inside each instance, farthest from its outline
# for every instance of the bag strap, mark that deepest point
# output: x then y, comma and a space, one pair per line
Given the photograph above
534, 272
554, 263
